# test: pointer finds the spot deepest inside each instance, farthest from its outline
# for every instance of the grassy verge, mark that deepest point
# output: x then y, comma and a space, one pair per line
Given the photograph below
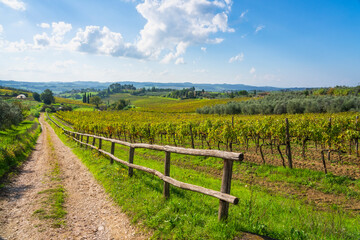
326, 183
189, 215
53, 198
16, 144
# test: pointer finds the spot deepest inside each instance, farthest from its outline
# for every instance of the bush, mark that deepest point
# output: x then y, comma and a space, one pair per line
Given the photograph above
10, 114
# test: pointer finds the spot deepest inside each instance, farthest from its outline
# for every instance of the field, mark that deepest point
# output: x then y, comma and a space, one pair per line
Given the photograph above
275, 200
171, 105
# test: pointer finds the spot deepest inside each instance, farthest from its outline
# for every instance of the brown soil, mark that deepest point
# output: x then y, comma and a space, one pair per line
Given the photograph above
91, 214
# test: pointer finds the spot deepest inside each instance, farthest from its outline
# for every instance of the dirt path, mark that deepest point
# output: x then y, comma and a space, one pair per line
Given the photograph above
90, 212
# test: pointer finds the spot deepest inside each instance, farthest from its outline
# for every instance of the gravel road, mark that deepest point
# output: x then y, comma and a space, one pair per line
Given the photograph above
91, 214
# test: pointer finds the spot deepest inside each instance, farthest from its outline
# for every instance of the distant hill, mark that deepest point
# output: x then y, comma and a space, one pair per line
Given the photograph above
58, 87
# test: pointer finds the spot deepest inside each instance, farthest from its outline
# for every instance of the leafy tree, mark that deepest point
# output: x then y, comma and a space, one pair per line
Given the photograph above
36, 97
96, 100
47, 96
10, 114
120, 104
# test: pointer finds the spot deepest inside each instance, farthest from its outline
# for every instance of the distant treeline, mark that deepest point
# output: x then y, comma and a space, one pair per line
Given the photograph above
191, 93
288, 102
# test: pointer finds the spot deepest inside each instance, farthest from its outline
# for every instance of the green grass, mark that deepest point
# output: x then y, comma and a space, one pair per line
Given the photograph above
16, 144
189, 215
326, 183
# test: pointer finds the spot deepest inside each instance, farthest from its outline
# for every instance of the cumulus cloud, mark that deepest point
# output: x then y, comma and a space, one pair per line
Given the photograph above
41, 40
252, 70
56, 38
95, 40
171, 27
44, 25
170, 23
259, 28
14, 4
236, 58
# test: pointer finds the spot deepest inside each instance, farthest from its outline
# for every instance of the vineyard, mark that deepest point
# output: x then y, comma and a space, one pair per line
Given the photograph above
326, 142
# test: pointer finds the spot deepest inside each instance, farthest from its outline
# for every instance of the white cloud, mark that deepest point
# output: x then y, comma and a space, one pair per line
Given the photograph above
41, 40
1, 29
14, 4
102, 41
171, 22
171, 27
179, 61
59, 30
215, 41
252, 70
239, 57
244, 13
180, 50
44, 25
18, 46
259, 28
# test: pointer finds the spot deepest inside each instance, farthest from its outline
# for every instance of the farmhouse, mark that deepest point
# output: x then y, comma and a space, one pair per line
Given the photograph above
21, 96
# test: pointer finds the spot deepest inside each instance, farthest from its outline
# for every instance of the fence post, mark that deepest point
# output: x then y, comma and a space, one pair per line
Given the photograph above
112, 151
87, 141
100, 143
81, 138
357, 140
167, 173
94, 140
131, 160
225, 188
288, 147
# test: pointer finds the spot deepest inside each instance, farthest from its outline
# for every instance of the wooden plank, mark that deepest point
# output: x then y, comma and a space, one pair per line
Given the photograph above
225, 188
167, 173
223, 196
187, 151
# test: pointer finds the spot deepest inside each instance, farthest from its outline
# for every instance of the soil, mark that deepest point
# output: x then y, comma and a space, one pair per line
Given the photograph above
91, 214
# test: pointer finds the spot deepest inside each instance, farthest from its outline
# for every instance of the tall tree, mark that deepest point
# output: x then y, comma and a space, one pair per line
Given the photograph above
84, 98
36, 97
47, 96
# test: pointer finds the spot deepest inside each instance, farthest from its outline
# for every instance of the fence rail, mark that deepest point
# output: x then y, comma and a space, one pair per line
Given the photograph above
228, 159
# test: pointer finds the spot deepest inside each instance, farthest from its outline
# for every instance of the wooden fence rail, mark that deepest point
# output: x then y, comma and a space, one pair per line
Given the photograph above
228, 158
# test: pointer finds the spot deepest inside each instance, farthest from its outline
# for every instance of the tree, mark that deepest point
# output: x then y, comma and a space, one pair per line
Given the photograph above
36, 97
47, 96
84, 98
96, 100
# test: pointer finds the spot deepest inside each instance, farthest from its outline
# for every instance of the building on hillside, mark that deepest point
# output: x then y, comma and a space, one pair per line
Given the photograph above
21, 96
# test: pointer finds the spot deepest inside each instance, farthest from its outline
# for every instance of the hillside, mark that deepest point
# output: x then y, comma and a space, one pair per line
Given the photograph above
58, 87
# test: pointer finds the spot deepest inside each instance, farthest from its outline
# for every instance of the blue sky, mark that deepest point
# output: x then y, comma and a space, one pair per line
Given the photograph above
279, 43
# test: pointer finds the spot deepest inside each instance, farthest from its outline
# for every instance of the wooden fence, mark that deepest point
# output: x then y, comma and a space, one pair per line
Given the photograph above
228, 158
